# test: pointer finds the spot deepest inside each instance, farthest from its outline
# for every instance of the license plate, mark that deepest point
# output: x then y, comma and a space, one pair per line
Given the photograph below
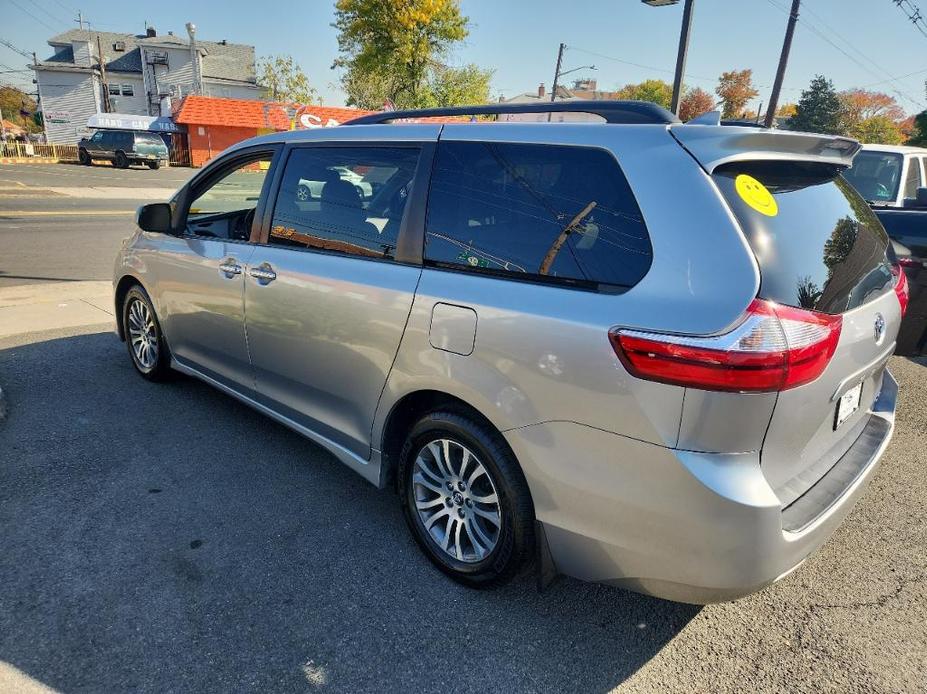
848, 404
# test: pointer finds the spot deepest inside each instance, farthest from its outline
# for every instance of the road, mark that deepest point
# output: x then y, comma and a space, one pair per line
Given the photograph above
65, 222
166, 538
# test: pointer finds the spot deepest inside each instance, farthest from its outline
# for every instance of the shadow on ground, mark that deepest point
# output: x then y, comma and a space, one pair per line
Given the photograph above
165, 537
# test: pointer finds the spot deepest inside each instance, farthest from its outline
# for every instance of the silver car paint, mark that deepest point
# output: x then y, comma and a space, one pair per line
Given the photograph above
620, 498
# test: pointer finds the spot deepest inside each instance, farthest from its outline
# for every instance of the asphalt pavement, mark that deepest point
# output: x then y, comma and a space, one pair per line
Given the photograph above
167, 538
65, 222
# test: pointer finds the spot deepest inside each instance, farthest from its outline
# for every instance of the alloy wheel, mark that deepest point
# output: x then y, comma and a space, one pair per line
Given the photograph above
142, 334
456, 500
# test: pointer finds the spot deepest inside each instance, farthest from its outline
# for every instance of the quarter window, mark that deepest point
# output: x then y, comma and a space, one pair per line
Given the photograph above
541, 212
913, 180
344, 199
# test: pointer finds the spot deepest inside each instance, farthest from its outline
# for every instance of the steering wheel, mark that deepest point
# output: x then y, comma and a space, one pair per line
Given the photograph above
243, 225
882, 191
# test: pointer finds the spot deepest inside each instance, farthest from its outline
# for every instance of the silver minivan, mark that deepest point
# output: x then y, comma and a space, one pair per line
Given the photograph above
637, 352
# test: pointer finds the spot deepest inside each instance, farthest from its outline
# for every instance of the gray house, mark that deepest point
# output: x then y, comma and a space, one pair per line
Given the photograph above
143, 74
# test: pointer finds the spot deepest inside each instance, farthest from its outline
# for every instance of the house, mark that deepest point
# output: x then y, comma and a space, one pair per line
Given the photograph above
142, 74
215, 124
582, 90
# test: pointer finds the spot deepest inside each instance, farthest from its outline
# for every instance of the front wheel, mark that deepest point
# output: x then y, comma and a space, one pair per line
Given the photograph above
466, 500
144, 339
154, 165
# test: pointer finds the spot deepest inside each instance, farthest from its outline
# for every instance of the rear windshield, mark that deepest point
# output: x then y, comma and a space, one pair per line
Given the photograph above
818, 244
876, 175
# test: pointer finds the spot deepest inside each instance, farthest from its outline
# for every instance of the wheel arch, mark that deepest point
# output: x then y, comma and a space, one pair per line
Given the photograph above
119, 297
406, 411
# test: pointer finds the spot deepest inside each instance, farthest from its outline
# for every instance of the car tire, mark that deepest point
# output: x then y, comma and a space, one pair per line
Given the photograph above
480, 529
144, 339
154, 165
121, 161
303, 193
84, 158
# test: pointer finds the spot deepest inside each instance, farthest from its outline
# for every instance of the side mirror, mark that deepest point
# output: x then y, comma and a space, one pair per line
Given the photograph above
920, 199
154, 217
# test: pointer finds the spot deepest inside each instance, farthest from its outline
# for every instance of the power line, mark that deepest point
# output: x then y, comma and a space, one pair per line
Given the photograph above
817, 32
913, 12
40, 21
53, 17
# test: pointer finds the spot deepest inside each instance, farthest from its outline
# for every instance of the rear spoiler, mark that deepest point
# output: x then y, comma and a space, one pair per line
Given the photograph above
714, 145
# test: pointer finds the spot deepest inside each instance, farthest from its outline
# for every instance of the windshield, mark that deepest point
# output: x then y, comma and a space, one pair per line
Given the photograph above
876, 175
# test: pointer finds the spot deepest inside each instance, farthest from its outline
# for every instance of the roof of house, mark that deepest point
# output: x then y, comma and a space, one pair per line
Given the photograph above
244, 113
225, 61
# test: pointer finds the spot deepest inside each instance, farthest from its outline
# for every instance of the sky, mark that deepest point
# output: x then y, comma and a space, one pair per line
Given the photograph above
856, 43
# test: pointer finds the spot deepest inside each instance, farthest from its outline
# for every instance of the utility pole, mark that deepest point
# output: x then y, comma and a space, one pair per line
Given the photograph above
783, 61
80, 20
681, 55
105, 87
553, 92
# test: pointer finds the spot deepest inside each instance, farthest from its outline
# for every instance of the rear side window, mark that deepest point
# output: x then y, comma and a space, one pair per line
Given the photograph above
820, 246
537, 212
913, 180
344, 199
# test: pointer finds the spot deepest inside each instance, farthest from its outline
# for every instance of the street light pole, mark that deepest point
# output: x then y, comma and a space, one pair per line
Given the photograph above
681, 55
783, 61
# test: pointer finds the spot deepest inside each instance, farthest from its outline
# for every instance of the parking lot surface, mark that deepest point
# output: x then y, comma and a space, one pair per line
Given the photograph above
167, 538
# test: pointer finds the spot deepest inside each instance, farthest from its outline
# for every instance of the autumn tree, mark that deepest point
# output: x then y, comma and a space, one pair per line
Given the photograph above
880, 130
655, 91
786, 110
819, 109
735, 89
860, 104
694, 103
398, 50
284, 80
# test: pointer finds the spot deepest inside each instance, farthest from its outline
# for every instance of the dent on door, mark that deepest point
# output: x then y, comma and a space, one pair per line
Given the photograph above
453, 328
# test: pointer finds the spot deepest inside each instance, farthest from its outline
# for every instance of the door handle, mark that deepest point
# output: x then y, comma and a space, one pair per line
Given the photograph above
230, 267
263, 273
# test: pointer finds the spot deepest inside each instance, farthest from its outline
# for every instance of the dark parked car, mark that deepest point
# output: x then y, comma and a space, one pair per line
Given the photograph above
123, 147
908, 231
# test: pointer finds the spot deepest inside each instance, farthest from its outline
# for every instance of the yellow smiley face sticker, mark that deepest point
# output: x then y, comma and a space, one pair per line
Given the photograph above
755, 194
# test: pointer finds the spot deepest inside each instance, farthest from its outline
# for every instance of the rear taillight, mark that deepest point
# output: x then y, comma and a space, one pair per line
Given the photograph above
773, 348
901, 287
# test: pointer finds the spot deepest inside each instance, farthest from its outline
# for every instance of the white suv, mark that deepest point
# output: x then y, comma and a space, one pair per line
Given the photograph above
889, 175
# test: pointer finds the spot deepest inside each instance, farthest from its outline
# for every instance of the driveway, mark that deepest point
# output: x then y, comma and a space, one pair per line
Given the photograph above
165, 538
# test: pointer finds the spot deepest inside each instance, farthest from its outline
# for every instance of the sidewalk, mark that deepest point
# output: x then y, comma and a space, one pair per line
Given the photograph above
31, 308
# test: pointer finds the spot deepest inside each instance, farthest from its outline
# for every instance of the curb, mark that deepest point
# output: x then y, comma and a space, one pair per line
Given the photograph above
4, 408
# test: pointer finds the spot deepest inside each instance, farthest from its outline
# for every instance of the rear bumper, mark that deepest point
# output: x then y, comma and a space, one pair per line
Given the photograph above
686, 526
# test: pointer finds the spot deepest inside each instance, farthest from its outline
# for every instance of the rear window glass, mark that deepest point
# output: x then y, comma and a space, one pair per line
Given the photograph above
535, 212
876, 175
820, 246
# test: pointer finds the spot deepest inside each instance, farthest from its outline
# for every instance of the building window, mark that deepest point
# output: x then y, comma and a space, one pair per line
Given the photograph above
128, 90
114, 90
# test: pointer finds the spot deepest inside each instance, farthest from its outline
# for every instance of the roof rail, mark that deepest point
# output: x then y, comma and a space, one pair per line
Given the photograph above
626, 112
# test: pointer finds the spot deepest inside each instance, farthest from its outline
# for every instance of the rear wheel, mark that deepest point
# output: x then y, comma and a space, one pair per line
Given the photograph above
466, 500
144, 339
303, 193
121, 161
84, 157
154, 165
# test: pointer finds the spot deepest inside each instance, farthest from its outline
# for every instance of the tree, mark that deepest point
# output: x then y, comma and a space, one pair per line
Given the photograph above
880, 130
694, 103
735, 88
459, 85
285, 80
860, 104
919, 134
18, 108
786, 110
819, 109
656, 91
401, 43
